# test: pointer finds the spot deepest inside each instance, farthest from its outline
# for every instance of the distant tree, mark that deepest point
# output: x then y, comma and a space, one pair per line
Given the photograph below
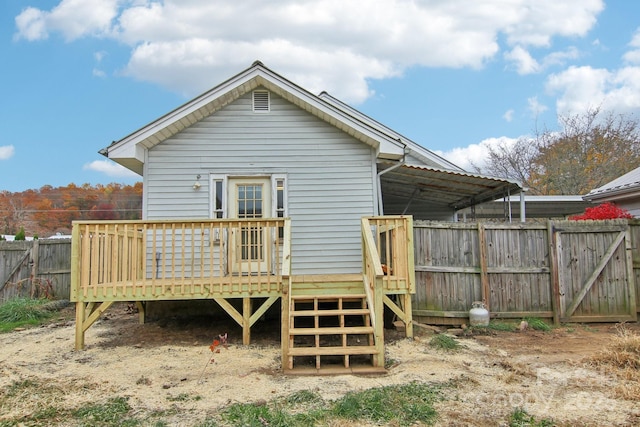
50, 209
590, 150
511, 161
603, 211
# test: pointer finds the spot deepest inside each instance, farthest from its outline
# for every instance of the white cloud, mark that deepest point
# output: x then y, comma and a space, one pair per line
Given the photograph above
72, 18
522, 60
475, 155
6, 151
110, 168
190, 45
99, 56
581, 88
524, 63
508, 115
633, 55
535, 107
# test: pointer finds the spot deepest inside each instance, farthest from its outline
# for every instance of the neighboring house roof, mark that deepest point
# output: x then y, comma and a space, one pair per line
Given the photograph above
625, 186
536, 207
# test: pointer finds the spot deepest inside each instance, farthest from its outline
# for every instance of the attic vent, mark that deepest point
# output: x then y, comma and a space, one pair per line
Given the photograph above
260, 101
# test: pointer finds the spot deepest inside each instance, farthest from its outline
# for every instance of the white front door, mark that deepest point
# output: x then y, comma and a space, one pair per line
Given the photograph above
249, 198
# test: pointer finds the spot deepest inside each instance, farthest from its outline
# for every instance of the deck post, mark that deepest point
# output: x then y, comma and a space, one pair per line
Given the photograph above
80, 318
378, 294
408, 315
246, 320
141, 306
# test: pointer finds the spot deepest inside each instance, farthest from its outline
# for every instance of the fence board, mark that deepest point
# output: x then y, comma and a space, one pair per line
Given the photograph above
35, 268
524, 270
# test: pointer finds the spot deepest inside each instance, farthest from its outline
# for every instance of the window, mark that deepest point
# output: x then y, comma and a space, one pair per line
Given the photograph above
280, 205
261, 101
218, 199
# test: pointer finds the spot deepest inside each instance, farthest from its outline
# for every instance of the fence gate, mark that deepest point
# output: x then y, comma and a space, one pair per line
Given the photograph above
594, 272
37, 268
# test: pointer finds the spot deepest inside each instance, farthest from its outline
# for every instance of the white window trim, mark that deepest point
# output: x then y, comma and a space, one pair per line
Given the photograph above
213, 178
224, 178
274, 195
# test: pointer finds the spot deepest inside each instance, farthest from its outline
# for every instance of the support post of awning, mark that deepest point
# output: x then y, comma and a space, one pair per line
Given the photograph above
523, 215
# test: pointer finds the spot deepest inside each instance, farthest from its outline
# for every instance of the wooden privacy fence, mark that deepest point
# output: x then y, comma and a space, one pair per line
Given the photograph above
567, 271
36, 268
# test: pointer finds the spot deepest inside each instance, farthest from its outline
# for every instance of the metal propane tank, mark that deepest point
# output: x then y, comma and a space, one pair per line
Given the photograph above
478, 315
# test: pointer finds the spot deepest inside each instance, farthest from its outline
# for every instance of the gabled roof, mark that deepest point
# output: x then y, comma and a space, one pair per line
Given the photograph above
626, 185
129, 151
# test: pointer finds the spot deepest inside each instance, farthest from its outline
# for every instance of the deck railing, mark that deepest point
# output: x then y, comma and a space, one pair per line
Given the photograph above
170, 259
392, 237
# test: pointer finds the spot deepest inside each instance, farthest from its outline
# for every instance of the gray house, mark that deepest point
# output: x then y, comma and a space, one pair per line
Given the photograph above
321, 163
262, 192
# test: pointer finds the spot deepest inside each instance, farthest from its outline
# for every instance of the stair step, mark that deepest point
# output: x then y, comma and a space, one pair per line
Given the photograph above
351, 330
332, 312
336, 370
328, 298
332, 351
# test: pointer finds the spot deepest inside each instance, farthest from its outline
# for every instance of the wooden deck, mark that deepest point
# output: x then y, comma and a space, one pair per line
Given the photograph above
224, 259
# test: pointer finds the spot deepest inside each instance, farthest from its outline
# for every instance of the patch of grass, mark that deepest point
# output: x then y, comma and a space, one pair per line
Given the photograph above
520, 418
401, 405
444, 342
498, 325
183, 397
112, 413
538, 324
621, 358
32, 402
259, 415
19, 312
303, 397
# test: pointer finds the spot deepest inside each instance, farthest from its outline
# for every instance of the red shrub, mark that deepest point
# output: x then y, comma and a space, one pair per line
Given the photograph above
606, 210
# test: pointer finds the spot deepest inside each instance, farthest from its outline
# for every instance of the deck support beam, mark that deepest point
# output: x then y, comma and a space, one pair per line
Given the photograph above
403, 311
87, 316
248, 317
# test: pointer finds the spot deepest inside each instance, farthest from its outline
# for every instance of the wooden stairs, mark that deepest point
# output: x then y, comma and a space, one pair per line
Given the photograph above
330, 330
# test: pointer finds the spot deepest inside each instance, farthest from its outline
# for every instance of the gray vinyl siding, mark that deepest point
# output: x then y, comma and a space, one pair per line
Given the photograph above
330, 176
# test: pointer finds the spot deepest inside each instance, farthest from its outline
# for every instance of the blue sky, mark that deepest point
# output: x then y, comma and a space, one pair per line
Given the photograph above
455, 76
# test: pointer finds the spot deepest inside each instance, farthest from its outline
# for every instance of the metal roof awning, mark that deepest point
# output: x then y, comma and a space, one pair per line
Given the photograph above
437, 187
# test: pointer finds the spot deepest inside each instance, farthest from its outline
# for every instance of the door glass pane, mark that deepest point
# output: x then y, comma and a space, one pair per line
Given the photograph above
250, 201
250, 206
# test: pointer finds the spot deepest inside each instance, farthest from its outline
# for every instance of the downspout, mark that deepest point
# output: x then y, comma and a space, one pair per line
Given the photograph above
382, 172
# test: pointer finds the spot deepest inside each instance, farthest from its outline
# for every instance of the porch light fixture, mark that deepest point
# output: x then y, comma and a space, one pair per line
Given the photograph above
197, 185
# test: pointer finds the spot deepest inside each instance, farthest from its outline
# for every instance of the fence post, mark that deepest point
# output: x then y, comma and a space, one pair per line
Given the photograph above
484, 275
35, 252
554, 277
630, 274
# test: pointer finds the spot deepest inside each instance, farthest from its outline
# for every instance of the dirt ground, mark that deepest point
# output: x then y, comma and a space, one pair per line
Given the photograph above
161, 364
